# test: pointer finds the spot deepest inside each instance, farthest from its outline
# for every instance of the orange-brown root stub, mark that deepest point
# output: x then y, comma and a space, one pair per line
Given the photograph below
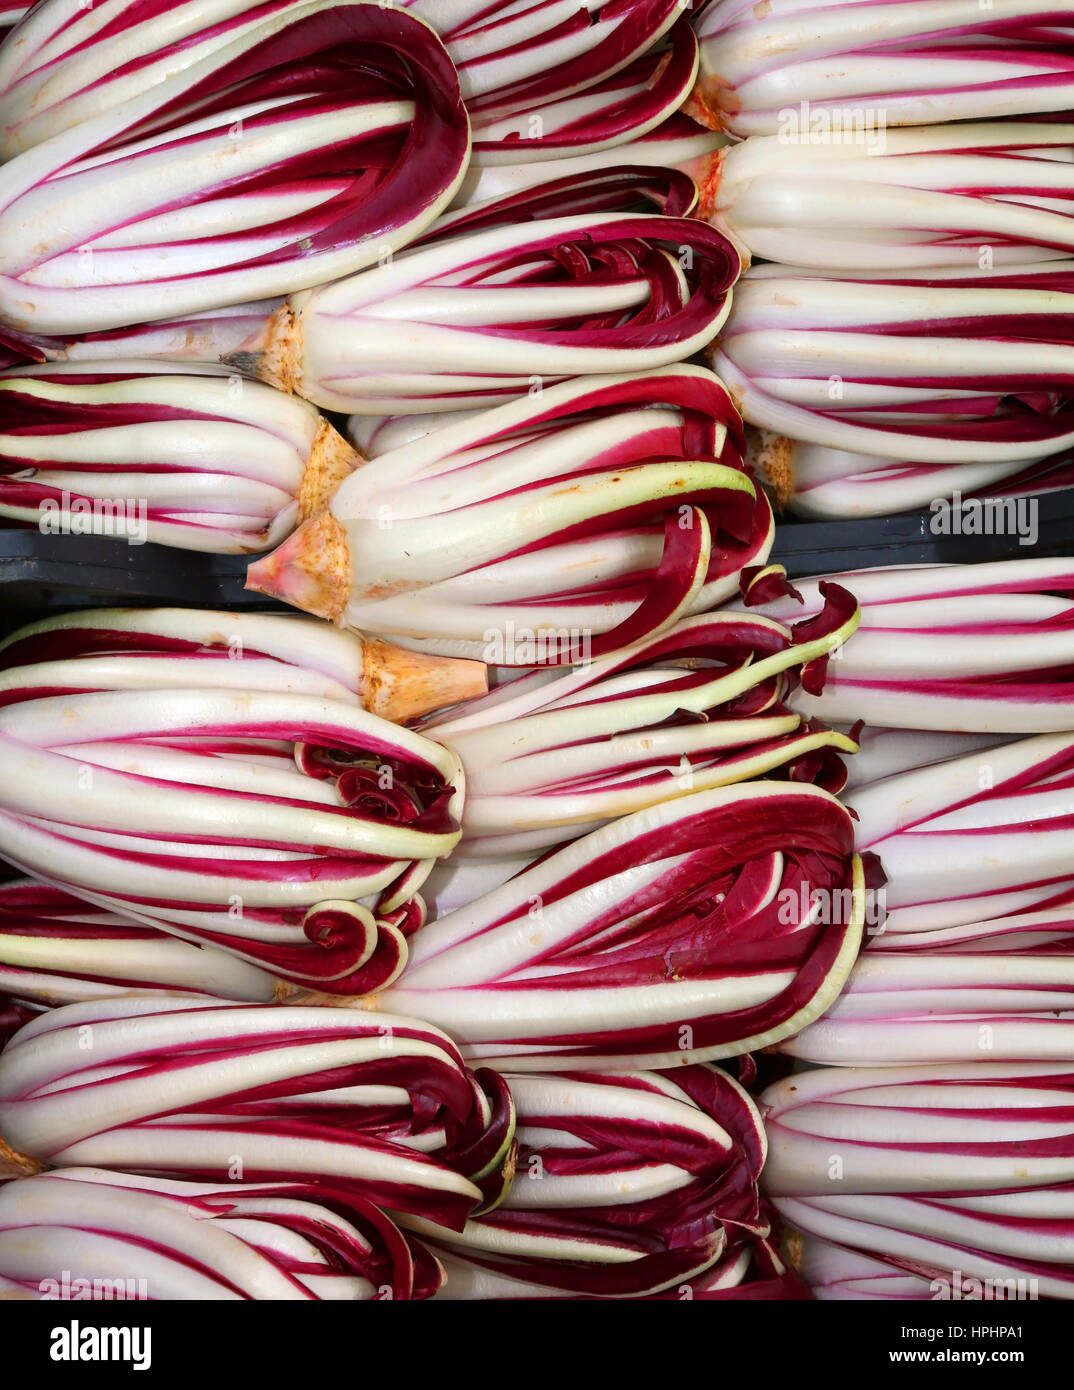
792, 1249
314, 999
331, 459
711, 102
311, 570
273, 354
771, 457
707, 174
16, 1165
707, 179
399, 685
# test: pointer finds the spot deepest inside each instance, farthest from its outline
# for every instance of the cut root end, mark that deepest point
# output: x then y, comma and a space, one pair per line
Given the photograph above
273, 353
311, 570
707, 176
399, 685
792, 1248
703, 104
315, 1000
331, 459
771, 457
16, 1165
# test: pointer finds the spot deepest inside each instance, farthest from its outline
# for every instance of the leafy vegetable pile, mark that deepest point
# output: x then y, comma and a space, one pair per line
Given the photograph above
388, 950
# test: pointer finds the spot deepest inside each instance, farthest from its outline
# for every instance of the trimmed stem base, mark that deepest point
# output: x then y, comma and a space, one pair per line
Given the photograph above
331, 459
16, 1165
771, 457
399, 685
311, 570
704, 105
274, 353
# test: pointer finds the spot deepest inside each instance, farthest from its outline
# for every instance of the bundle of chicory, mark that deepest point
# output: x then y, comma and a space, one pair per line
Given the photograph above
948, 1173
214, 1091
582, 518
315, 141
840, 67
77, 1233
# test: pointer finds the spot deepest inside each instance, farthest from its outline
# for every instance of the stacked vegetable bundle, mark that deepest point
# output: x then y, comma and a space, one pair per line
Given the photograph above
355, 966
280, 1241
590, 515
214, 807
712, 868
961, 1210
218, 777
951, 1040
215, 462
979, 649
686, 1147
910, 169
